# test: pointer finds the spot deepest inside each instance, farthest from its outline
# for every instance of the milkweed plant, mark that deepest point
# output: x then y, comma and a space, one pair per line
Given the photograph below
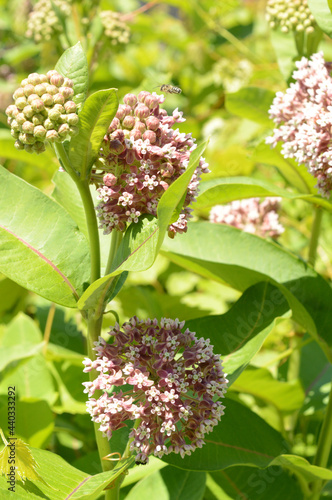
160, 400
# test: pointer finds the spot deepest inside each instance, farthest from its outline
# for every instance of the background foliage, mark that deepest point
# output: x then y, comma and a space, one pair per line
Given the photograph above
266, 311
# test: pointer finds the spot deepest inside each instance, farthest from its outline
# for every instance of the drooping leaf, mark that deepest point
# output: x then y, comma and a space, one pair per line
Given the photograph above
259, 382
242, 259
97, 113
61, 480
238, 334
240, 438
252, 103
74, 65
322, 14
220, 191
300, 465
297, 175
42, 249
272, 483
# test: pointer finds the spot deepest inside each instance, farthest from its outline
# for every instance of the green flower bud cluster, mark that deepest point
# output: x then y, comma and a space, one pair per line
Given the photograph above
290, 16
114, 28
43, 23
43, 111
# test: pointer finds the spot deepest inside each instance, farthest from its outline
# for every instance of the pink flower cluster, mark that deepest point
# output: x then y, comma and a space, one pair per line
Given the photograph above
140, 157
250, 215
174, 382
304, 118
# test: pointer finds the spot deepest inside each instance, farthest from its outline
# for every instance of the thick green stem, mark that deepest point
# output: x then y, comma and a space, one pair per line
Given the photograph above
315, 235
116, 239
92, 225
89, 209
324, 447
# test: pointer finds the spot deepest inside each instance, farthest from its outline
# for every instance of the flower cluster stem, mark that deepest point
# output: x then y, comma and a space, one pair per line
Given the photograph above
324, 448
116, 239
315, 235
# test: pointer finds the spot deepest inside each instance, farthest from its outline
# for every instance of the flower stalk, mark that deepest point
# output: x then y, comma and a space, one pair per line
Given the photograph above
315, 235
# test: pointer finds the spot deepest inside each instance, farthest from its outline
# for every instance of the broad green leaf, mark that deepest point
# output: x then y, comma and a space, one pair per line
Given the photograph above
233, 443
259, 382
285, 51
252, 103
141, 243
136, 252
11, 294
19, 53
20, 352
68, 403
242, 259
47, 161
31, 376
236, 188
238, 335
174, 194
57, 353
74, 65
42, 249
299, 465
169, 484
322, 14
297, 175
64, 481
97, 113
137, 473
34, 431
272, 483
67, 194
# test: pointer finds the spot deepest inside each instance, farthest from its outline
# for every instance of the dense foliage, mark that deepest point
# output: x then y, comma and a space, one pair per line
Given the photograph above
165, 249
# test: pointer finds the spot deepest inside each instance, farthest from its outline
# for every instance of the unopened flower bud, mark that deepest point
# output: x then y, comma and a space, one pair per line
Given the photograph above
20, 118
19, 145
152, 123
37, 119
49, 124
28, 111
11, 111
39, 132
18, 93
70, 107
26, 138
142, 111
128, 122
72, 119
109, 179
151, 101
58, 99
142, 95
39, 147
140, 126
150, 136
63, 130
68, 83
130, 99
67, 92
40, 89
38, 105
28, 127
15, 133
115, 123
118, 134
135, 134
29, 148
52, 136
34, 79
20, 102
57, 80
32, 97
54, 114
51, 89
29, 89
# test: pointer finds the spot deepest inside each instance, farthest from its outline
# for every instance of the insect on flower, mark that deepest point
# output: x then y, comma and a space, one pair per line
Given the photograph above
169, 89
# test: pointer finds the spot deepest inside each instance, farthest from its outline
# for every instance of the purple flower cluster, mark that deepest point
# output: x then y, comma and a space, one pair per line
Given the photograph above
250, 215
173, 383
140, 157
303, 115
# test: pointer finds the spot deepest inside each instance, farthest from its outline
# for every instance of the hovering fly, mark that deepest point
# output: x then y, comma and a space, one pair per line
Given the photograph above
169, 89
